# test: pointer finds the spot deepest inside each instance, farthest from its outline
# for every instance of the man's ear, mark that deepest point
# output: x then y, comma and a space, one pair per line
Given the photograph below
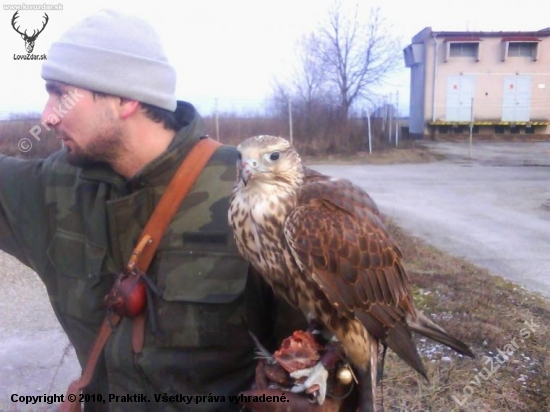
127, 107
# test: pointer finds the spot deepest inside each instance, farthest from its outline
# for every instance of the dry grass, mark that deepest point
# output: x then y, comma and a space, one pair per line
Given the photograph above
15, 134
232, 130
488, 313
407, 152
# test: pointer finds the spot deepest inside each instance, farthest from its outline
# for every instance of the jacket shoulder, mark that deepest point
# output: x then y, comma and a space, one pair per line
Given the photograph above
60, 179
226, 154
221, 170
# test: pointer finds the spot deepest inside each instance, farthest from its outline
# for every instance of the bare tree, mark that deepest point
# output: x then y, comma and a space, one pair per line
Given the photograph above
309, 77
279, 99
337, 65
353, 55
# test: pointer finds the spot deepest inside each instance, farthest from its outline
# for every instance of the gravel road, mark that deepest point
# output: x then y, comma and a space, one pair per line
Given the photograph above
35, 355
490, 210
493, 210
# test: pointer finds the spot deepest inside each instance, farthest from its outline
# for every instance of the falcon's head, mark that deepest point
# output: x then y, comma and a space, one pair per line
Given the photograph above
268, 160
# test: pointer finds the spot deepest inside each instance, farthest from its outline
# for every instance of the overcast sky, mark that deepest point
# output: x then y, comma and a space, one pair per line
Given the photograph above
231, 50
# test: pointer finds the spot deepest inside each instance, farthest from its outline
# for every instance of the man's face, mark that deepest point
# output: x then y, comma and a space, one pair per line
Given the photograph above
87, 125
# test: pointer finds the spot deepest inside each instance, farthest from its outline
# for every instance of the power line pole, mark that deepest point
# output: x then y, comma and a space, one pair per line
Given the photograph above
471, 130
369, 130
390, 113
396, 118
290, 121
217, 121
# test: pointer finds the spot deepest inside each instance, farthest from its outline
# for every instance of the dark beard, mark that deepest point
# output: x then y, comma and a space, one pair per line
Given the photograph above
80, 159
104, 149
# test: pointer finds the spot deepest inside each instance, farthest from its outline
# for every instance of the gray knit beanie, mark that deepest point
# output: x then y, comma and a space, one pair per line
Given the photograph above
116, 54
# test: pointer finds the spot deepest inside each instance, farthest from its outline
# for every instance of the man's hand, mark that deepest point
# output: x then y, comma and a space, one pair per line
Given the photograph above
273, 374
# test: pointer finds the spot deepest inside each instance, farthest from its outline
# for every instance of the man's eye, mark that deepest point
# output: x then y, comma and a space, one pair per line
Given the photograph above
274, 156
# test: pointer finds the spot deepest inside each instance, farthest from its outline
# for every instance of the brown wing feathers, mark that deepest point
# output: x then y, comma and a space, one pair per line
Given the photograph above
355, 252
337, 233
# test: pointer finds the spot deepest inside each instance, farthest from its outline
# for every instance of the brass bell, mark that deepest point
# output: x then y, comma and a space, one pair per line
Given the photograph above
344, 375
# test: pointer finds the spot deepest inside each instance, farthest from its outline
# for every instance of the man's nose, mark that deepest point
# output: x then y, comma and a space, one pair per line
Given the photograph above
49, 117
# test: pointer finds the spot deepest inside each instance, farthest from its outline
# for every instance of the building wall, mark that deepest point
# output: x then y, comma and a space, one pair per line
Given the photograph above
488, 74
417, 95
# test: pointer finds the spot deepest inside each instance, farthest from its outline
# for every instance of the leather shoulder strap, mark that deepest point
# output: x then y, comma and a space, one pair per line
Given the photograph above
180, 185
182, 182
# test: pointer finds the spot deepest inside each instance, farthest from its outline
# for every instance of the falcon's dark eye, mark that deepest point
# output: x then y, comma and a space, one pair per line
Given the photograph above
274, 156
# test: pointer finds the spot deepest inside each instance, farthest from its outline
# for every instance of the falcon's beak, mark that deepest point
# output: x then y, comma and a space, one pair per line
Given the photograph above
248, 169
244, 178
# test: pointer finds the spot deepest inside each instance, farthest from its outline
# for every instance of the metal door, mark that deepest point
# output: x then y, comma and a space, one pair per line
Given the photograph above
460, 91
516, 99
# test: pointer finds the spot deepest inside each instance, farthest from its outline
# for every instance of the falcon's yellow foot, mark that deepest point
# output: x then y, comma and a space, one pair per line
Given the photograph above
316, 381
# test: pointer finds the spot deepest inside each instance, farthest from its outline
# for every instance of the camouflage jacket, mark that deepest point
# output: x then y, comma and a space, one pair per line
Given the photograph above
77, 227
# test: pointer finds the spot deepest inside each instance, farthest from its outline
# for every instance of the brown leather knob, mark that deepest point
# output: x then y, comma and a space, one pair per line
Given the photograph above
128, 297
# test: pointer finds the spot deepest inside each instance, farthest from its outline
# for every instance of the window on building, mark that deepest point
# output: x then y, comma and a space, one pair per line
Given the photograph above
463, 49
522, 49
500, 129
520, 46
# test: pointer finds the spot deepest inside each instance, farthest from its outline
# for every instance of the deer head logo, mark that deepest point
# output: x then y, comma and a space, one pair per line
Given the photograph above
29, 40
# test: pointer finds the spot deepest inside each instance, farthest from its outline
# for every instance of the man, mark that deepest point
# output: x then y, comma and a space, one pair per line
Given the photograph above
76, 216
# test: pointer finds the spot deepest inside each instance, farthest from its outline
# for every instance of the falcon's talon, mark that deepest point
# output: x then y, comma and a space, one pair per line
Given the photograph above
261, 352
316, 375
267, 357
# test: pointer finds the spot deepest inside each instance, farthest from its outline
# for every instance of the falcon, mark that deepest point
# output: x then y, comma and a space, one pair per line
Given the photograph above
321, 244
